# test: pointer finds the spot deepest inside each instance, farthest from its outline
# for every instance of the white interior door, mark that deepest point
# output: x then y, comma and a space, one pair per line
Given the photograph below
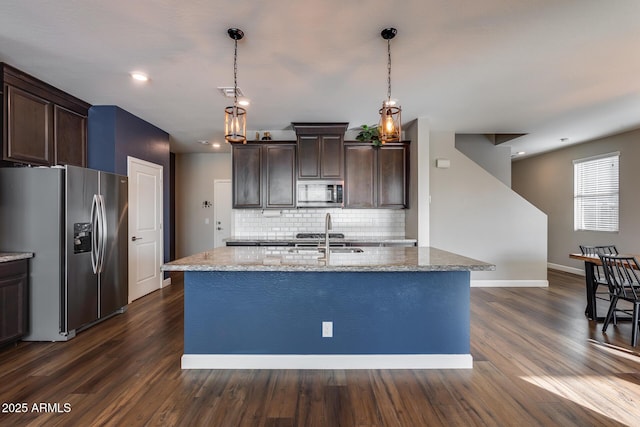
145, 227
222, 211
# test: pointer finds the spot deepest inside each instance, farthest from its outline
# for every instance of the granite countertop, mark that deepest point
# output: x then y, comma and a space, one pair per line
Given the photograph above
14, 256
293, 240
259, 258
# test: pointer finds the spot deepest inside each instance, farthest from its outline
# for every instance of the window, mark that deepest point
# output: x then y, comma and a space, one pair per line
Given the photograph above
595, 195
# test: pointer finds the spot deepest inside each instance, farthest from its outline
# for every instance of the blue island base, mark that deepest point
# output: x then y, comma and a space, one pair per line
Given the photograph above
273, 320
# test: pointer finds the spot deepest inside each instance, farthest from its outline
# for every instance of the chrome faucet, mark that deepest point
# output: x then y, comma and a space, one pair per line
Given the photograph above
327, 227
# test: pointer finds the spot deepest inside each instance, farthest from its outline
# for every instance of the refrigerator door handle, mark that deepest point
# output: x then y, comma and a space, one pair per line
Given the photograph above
95, 234
103, 232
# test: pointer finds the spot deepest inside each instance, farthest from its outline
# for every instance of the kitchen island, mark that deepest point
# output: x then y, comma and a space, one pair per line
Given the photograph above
286, 308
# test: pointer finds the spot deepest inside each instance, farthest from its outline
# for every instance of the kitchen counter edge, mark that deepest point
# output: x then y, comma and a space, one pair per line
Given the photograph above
218, 260
14, 256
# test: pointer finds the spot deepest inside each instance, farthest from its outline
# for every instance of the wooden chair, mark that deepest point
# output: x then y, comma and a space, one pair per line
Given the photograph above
623, 276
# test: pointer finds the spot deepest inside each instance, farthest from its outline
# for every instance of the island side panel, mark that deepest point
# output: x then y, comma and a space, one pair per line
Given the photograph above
245, 312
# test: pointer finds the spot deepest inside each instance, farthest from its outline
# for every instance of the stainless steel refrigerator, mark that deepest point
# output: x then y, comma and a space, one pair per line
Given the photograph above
75, 222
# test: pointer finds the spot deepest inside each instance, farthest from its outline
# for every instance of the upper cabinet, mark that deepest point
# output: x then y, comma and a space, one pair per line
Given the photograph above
41, 125
376, 177
264, 175
320, 150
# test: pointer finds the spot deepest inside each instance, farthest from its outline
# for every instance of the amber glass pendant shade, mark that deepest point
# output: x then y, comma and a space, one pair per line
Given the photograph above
390, 123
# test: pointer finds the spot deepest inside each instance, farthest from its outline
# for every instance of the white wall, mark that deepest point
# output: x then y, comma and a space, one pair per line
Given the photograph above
495, 159
476, 215
195, 174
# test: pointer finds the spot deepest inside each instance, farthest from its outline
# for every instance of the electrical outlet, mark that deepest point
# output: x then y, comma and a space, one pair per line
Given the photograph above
327, 329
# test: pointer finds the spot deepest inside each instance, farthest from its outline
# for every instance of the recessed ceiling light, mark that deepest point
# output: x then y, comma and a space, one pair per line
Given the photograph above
244, 101
139, 76
216, 145
521, 153
204, 142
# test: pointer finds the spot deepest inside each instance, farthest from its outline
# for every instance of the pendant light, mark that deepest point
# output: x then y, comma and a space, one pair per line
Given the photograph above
235, 118
390, 121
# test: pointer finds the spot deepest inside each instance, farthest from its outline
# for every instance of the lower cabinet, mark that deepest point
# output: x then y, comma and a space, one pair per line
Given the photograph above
264, 176
376, 177
13, 300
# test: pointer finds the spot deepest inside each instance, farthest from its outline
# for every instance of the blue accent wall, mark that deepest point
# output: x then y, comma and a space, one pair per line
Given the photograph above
282, 312
114, 134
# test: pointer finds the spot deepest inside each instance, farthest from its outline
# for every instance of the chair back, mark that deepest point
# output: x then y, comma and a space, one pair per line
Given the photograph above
596, 251
599, 250
623, 275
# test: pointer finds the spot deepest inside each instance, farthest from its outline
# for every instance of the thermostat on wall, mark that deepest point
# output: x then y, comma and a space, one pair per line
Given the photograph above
443, 163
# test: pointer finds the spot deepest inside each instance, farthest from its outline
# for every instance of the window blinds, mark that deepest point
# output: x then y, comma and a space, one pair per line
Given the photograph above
596, 193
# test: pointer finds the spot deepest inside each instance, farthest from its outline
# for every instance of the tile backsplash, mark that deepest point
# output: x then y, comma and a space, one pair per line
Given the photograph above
286, 223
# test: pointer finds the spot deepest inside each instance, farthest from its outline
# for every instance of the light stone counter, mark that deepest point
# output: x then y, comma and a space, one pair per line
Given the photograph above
14, 256
257, 241
388, 259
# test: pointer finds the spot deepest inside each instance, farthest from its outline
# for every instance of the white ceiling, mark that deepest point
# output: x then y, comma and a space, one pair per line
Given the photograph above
550, 68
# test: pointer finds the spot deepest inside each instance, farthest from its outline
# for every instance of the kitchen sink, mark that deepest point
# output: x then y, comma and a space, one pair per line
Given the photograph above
338, 250
346, 250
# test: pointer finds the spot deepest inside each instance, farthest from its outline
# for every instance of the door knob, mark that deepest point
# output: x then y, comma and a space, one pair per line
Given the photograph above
134, 238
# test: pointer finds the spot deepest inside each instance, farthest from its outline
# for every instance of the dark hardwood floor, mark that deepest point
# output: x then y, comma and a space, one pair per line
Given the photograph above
537, 361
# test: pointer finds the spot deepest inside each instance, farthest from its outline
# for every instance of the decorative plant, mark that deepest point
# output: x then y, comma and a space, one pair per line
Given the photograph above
369, 133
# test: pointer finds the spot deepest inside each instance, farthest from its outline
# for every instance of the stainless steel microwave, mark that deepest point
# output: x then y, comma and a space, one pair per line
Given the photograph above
320, 194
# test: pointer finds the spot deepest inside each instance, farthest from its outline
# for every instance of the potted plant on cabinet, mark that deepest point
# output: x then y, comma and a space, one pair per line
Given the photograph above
370, 133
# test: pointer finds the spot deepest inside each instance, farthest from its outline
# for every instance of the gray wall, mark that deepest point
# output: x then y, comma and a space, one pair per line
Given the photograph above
495, 159
547, 182
195, 174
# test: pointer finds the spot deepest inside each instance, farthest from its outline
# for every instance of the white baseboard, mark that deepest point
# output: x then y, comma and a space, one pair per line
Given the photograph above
166, 282
327, 361
573, 270
509, 283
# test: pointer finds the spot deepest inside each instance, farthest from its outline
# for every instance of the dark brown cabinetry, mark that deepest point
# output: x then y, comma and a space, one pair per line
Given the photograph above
320, 150
247, 176
41, 124
70, 137
376, 177
13, 300
360, 171
264, 175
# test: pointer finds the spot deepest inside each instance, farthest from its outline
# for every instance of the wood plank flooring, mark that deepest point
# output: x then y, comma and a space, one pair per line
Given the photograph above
537, 362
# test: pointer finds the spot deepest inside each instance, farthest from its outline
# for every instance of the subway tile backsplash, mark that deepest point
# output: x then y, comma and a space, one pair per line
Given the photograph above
286, 223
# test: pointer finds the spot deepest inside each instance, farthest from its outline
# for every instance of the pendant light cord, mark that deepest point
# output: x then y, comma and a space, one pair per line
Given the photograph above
235, 74
388, 70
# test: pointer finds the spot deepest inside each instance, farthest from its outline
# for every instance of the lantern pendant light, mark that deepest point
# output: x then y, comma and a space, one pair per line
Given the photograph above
390, 120
235, 118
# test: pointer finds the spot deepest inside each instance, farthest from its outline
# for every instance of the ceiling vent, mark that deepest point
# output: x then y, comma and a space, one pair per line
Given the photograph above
227, 92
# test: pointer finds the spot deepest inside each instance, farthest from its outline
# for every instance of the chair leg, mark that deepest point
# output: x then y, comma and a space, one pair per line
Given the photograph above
610, 313
634, 326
